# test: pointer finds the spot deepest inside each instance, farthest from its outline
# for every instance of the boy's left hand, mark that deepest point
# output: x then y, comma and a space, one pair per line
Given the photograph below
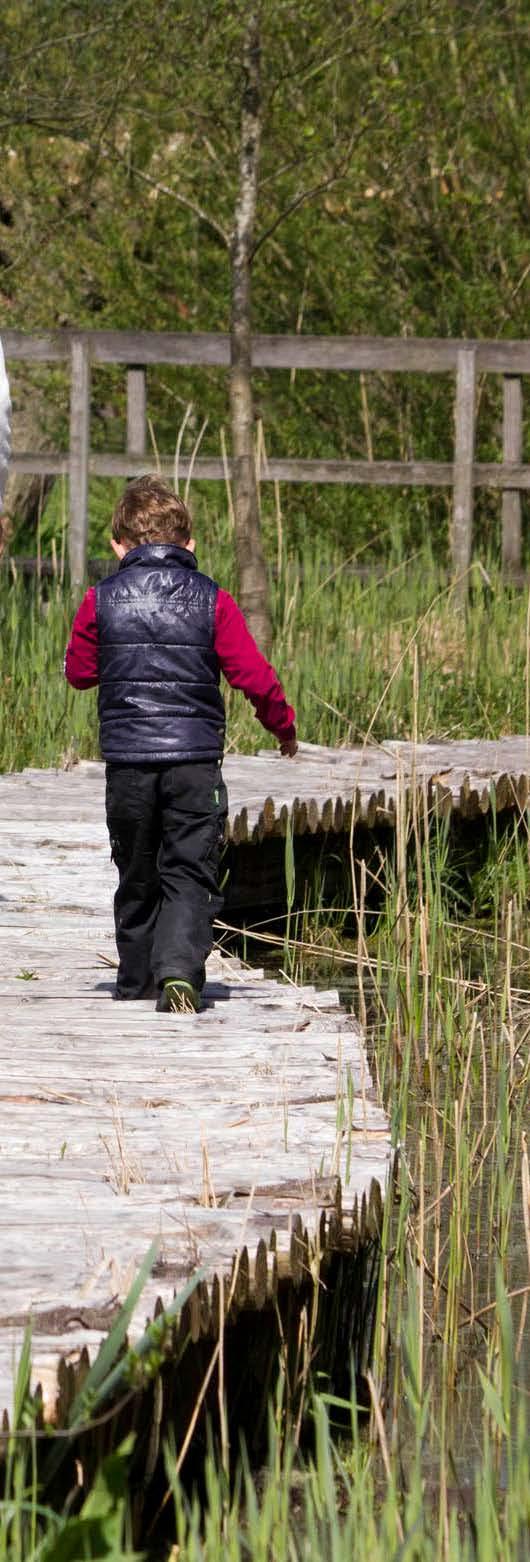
289, 748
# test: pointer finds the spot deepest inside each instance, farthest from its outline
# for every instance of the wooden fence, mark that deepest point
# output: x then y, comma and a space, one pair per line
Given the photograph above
137, 349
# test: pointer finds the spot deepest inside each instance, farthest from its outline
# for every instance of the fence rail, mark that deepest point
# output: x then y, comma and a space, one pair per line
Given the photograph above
136, 350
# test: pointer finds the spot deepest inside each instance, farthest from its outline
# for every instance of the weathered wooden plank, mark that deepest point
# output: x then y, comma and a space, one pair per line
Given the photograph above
75, 832
512, 450
461, 538
426, 355
409, 474
211, 1131
502, 475
41, 462
78, 461
136, 412
401, 474
503, 357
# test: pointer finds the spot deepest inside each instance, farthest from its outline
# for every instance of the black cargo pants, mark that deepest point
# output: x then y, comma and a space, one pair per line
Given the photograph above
166, 826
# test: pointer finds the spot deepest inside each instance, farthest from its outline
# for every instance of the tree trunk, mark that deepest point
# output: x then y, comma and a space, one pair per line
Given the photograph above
252, 570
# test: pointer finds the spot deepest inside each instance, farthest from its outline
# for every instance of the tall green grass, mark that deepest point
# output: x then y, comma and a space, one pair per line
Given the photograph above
444, 1472
447, 1007
355, 656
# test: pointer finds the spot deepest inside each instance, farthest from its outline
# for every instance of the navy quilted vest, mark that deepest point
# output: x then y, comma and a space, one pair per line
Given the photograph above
159, 696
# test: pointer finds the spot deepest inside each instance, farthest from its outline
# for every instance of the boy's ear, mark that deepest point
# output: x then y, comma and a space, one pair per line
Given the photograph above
118, 548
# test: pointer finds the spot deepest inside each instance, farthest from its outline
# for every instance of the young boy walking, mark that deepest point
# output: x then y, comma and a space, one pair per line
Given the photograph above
155, 636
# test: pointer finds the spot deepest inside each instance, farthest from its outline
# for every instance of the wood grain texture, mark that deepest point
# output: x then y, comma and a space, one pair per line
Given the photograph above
512, 449
136, 412
425, 355
462, 527
375, 474
78, 459
218, 1134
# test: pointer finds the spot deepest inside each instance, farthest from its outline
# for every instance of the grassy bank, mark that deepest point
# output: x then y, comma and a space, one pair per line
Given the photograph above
388, 657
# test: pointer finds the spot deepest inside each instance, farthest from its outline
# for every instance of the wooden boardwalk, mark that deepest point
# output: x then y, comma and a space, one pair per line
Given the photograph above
220, 1134
320, 790
252, 1128
325, 788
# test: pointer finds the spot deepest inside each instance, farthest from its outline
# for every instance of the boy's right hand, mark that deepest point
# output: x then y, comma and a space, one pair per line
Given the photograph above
289, 748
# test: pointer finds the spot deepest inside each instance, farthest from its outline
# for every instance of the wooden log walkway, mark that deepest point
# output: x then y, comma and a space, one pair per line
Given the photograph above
320, 790
325, 788
252, 1128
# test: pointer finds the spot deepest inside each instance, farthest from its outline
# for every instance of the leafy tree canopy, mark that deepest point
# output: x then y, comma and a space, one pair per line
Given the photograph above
394, 194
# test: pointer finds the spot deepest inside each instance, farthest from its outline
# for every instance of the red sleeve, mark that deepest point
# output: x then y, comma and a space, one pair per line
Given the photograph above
81, 663
245, 668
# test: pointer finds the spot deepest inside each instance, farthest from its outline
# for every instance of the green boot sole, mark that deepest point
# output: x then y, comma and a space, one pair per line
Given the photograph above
178, 997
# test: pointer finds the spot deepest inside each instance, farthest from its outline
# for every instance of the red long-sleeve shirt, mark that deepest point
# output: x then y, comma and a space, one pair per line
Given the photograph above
242, 663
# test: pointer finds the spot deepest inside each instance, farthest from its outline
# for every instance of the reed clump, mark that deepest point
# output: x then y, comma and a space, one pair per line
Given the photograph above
452, 1049
446, 1003
441, 981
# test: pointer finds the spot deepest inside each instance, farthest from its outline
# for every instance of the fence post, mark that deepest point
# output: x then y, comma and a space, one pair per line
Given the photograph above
78, 464
512, 450
136, 412
463, 467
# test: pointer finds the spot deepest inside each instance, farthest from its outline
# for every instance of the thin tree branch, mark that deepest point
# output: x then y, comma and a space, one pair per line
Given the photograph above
317, 189
174, 195
55, 42
217, 161
306, 195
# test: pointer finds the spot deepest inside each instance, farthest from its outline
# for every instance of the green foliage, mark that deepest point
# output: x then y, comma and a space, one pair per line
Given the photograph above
31, 1532
38, 714
331, 1506
393, 199
505, 872
100, 1529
